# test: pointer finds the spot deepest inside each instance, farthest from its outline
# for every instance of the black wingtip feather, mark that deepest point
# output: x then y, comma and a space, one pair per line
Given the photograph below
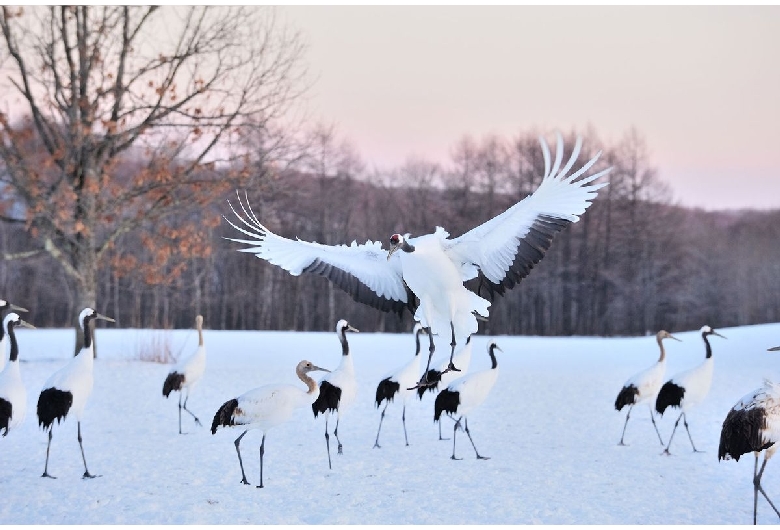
6, 410
434, 378
671, 395
530, 251
386, 390
447, 401
627, 396
224, 416
172, 382
741, 433
328, 400
53, 404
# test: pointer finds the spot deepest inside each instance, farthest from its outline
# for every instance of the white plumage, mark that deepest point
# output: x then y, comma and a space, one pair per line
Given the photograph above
6, 306
266, 407
689, 388
338, 388
644, 386
753, 425
13, 397
65, 393
399, 383
465, 394
187, 372
425, 274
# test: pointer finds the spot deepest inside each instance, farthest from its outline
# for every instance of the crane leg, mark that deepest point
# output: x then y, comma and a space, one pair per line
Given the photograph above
685, 422
327, 442
757, 487
451, 366
180, 413
403, 420
86, 471
450, 417
240, 462
666, 451
197, 421
262, 452
479, 456
46, 466
431, 348
381, 418
454, 432
440, 438
652, 417
625, 425
336, 434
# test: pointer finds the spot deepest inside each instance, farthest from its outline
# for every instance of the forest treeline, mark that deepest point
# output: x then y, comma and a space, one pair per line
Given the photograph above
633, 264
124, 131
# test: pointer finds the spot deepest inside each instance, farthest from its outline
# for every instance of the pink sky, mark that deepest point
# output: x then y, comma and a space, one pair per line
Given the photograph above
702, 84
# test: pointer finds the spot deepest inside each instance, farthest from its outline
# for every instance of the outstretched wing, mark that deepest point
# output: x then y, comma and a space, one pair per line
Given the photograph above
506, 248
363, 271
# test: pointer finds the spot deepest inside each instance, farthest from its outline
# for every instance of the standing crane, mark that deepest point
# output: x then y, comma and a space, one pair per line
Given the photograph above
65, 393
187, 372
13, 397
689, 388
441, 377
266, 407
644, 386
465, 394
338, 389
399, 384
753, 425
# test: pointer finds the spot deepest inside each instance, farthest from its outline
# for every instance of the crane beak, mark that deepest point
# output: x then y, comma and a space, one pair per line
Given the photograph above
17, 308
25, 324
776, 348
390, 252
104, 317
316, 368
718, 334
675, 338
350, 328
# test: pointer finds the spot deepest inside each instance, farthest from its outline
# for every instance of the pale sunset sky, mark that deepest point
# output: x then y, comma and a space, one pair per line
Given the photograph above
701, 84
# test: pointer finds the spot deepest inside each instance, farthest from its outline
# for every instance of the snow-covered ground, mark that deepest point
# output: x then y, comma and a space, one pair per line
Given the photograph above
549, 426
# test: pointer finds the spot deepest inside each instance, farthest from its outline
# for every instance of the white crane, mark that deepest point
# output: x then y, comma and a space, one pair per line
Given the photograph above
753, 425
426, 274
441, 377
13, 397
6, 306
465, 394
687, 389
644, 386
187, 372
398, 383
266, 407
65, 393
338, 389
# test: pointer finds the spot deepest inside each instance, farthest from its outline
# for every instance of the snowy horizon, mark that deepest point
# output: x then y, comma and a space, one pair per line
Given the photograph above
549, 427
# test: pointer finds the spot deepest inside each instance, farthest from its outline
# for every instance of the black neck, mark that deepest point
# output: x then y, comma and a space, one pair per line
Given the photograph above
417, 339
406, 247
87, 332
707, 344
343, 339
2, 316
14, 346
491, 352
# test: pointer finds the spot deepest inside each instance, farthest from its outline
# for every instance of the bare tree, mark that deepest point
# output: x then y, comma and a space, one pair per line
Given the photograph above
171, 89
